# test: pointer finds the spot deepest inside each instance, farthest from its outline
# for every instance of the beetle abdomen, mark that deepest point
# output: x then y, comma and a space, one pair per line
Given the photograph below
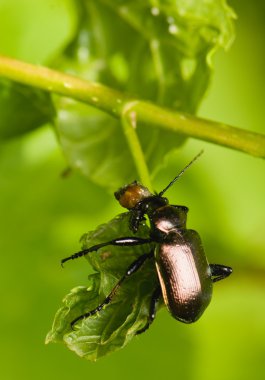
184, 276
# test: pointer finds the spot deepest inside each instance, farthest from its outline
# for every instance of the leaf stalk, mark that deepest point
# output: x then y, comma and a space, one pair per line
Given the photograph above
114, 102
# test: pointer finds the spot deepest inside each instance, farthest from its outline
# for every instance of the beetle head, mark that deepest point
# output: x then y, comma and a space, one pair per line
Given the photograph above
130, 195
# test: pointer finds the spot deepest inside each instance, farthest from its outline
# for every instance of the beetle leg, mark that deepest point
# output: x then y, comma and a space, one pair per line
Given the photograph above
125, 241
152, 311
136, 216
219, 272
133, 268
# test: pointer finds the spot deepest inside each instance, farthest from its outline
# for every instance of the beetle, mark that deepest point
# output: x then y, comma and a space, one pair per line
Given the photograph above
185, 276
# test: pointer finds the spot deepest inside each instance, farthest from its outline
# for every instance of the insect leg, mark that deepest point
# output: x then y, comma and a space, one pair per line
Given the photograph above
152, 311
136, 216
133, 268
219, 272
125, 241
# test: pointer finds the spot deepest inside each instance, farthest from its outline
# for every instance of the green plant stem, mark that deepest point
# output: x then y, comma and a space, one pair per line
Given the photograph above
114, 103
129, 123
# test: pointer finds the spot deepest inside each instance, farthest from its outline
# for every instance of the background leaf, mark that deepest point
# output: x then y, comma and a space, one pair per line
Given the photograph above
164, 58
23, 109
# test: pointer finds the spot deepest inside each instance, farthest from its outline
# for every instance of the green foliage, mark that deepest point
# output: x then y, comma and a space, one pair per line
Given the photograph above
23, 109
118, 322
159, 53
42, 216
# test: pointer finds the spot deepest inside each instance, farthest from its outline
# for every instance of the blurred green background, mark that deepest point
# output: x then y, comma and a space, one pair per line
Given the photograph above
43, 215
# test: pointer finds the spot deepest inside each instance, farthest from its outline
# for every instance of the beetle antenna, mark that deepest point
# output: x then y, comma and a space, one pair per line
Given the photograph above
180, 173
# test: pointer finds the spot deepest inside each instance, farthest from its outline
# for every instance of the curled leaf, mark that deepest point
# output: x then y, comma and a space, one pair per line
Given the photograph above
114, 326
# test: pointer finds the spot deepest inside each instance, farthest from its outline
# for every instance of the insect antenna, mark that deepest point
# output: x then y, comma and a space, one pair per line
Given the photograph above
180, 174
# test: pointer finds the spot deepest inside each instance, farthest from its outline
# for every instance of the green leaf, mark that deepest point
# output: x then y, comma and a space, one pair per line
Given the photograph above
94, 143
113, 327
22, 109
160, 53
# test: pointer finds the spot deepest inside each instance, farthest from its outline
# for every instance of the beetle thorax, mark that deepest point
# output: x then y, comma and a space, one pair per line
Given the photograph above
169, 218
